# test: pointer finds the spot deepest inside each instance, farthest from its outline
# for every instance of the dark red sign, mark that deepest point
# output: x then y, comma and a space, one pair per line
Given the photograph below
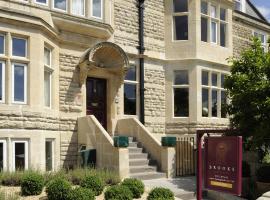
223, 164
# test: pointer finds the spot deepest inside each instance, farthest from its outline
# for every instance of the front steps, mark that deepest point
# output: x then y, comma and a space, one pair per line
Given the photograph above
140, 164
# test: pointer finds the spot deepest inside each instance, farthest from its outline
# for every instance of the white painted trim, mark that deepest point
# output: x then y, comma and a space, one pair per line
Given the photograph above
26, 150
43, 4
26, 47
91, 10
58, 9
3, 81
4, 153
84, 9
25, 83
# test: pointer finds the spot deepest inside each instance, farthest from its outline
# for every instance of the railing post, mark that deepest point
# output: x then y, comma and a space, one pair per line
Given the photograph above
199, 165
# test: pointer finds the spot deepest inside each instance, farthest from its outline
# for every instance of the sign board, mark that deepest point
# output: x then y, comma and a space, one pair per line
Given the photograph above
223, 164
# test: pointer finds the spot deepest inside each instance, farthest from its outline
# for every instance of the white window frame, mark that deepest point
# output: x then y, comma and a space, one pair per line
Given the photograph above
136, 83
4, 47
84, 9
49, 69
211, 31
183, 86
26, 146
58, 9
3, 81
243, 5
53, 152
43, 4
264, 44
26, 47
25, 83
91, 6
4, 153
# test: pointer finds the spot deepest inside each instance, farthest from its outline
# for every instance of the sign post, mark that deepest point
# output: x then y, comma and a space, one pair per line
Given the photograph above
223, 163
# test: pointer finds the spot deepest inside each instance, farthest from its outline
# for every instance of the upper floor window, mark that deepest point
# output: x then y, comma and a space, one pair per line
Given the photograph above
181, 93
43, 2
2, 44
180, 19
47, 76
263, 38
78, 7
97, 8
213, 23
60, 5
240, 5
19, 47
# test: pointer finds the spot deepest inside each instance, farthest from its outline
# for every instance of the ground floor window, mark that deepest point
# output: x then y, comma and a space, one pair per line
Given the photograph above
3, 159
49, 155
2, 81
20, 155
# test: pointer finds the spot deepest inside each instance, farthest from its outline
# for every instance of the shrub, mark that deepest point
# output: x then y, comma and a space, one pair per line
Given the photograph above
11, 178
58, 189
263, 174
135, 186
245, 169
32, 184
81, 194
118, 192
160, 194
94, 183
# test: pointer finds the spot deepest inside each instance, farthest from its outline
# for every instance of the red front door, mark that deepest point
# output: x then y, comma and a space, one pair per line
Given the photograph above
96, 99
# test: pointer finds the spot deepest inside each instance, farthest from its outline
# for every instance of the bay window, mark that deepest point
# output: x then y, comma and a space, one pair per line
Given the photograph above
180, 19
131, 91
2, 44
96, 10
213, 94
60, 5
181, 93
2, 82
77, 7
19, 47
263, 38
47, 76
43, 2
213, 23
19, 83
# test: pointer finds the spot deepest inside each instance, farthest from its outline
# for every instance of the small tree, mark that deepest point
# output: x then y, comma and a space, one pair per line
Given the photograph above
248, 89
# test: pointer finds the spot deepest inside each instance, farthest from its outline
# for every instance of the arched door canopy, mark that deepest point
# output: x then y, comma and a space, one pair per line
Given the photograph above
104, 55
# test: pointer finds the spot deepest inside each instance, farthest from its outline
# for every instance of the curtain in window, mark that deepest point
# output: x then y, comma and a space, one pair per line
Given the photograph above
78, 7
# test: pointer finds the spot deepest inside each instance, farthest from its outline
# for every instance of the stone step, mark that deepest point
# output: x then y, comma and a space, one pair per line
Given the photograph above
138, 162
142, 168
135, 150
148, 175
131, 139
133, 144
138, 155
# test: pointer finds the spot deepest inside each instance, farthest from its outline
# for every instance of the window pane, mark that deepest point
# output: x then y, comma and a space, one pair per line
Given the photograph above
131, 73
222, 79
60, 4
181, 77
1, 156
214, 103
205, 78
180, 5
238, 5
47, 57
48, 158
18, 47
181, 27
223, 35
181, 102
19, 156
19, 87
130, 99
47, 88
1, 81
213, 11
214, 32
2, 44
204, 29
205, 103
204, 7
78, 7
42, 1
214, 79
223, 14
223, 104
96, 8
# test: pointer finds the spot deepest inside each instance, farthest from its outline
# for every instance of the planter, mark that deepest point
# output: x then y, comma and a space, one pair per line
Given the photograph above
245, 186
121, 141
168, 141
262, 187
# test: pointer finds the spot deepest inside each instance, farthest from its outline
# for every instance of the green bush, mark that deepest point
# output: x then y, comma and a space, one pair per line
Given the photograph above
94, 183
32, 184
81, 194
245, 169
58, 189
263, 174
160, 194
118, 192
135, 186
11, 178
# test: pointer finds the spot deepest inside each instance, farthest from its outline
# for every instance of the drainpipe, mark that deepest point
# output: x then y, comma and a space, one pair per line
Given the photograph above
141, 57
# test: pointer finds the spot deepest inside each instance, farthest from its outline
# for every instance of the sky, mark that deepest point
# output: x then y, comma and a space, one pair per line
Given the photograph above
263, 6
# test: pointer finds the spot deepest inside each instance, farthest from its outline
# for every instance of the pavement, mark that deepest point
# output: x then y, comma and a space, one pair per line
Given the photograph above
183, 188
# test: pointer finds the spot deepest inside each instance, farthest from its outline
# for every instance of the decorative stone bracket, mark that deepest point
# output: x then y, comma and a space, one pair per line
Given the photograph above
105, 55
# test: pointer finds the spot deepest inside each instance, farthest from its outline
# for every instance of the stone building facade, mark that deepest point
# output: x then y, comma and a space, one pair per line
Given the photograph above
56, 55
